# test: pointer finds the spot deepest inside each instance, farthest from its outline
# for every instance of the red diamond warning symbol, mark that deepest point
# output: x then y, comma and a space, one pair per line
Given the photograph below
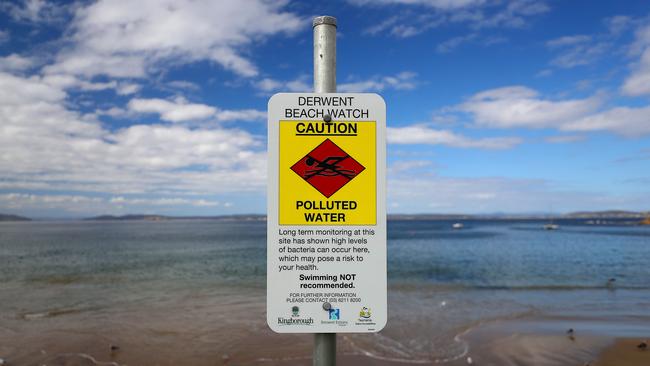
327, 168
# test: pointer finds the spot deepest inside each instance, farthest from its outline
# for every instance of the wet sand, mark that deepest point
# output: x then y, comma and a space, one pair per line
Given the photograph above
624, 352
528, 341
227, 327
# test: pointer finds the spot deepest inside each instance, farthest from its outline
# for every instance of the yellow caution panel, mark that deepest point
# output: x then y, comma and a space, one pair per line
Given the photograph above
327, 173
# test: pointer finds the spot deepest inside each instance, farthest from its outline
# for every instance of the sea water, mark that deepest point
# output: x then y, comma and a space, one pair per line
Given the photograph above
193, 291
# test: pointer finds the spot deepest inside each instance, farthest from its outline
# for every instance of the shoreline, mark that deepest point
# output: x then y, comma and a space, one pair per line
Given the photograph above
530, 340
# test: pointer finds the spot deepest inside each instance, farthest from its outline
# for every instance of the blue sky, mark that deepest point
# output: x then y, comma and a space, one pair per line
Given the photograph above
493, 106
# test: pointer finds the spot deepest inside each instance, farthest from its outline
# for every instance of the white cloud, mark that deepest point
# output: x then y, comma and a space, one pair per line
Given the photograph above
522, 107
579, 54
414, 193
15, 62
425, 135
180, 110
184, 84
72, 82
438, 4
627, 121
514, 15
46, 146
36, 10
117, 39
241, 115
16, 90
617, 24
519, 106
40, 203
403, 81
638, 83
405, 166
300, 84
18, 198
114, 112
127, 89
582, 49
568, 40
420, 16
563, 139
578, 50
641, 39
174, 111
91, 205
166, 201
452, 43
455, 42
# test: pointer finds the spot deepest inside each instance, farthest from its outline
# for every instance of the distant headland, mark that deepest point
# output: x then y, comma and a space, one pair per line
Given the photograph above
251, 217
608, 214
4, 217
632, 217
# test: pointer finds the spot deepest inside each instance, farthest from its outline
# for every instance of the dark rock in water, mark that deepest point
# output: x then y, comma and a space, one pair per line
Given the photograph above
643, 346
114, 347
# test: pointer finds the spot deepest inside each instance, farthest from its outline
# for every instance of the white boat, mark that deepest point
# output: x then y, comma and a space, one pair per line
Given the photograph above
457, 226
551, 226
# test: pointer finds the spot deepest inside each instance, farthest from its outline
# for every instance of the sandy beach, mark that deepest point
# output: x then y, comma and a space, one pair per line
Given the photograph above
623, 352
192, 332
114, 348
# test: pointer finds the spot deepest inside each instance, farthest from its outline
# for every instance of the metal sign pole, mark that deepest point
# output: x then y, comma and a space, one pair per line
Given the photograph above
324, 82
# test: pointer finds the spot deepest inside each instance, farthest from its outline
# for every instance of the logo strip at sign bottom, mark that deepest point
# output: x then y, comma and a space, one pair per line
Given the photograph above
326, 225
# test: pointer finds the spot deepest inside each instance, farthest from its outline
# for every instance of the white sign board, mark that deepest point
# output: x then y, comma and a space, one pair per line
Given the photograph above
326, 249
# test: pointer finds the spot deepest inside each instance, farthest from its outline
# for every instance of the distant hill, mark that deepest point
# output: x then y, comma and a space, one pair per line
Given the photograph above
164, 218
610, 214
4, 217
127, 217
433, 217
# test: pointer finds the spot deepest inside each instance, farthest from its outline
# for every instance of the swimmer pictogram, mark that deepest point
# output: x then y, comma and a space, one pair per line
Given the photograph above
327, 168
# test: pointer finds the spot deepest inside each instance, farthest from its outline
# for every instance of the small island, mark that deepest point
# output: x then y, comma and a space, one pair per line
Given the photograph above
5, 217
243, 217
127, 218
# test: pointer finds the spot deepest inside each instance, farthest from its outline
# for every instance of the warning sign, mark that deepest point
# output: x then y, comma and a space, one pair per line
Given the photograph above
327, 179
327, 168
326, 267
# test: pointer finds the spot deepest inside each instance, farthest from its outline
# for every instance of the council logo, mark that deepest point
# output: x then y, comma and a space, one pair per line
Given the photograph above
335, 314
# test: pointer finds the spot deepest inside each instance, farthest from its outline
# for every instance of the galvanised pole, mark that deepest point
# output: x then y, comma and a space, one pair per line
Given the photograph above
324, 82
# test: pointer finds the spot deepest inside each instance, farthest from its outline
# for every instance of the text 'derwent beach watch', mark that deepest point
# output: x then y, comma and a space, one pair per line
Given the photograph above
326, 252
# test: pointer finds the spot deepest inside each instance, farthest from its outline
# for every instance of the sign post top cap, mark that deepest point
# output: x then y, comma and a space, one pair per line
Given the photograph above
324, 19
